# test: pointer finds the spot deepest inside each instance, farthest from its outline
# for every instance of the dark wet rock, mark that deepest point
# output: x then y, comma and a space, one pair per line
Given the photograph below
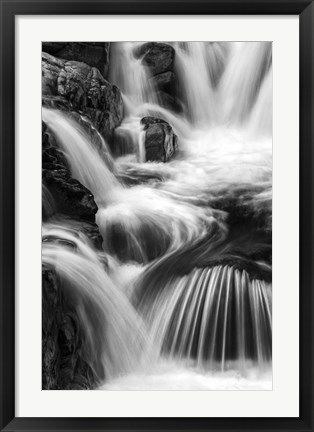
53, 47
70, 196
169, 102
62, 364
159, 57
244, 208
52, 157
160, 140
87, 228
105, 122
86, 90
94, 54
165, 85
165, 82
57, 102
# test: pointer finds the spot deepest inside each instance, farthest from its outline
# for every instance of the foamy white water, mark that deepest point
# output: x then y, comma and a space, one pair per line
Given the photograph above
174, 375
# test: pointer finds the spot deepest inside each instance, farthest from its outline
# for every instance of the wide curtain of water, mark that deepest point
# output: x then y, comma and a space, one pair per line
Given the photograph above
184, 301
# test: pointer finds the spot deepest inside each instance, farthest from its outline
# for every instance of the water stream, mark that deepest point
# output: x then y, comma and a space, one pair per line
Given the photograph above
185, 302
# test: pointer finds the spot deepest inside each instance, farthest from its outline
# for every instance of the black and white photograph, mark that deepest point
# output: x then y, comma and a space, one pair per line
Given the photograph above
157, 215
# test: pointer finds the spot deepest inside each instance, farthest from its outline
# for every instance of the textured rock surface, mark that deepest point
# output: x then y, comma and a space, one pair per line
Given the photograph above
95, 54
160, 140
87, 91
62, 366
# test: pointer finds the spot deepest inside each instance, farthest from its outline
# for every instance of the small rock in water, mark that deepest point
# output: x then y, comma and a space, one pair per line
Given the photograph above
160, 140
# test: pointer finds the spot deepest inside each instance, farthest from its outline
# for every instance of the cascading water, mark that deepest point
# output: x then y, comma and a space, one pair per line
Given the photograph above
133, 80
190, 241
214, 315
85, 162
114, 336
137, 88
241, 83
195, 81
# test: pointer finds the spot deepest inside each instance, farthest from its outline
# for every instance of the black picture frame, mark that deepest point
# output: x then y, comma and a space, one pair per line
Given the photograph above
8, 10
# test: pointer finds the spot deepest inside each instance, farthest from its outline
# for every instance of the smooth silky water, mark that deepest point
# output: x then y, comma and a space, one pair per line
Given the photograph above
181, 303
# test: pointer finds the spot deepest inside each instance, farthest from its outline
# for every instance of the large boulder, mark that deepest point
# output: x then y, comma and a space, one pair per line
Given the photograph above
94, 54
87, 91
62, 364
160, 140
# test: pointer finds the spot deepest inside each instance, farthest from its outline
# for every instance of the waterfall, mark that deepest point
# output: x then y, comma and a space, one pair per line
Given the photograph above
114, 335
187, 242
195, 83
242, 79
261, 120
213, 315
130, 138
84, 160
133, 80
137, 89
48, 204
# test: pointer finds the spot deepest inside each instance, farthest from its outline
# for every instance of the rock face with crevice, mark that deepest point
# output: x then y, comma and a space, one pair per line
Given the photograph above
87, 91
161, 143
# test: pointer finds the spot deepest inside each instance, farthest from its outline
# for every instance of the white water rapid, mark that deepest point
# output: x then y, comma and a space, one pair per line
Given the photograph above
185, 300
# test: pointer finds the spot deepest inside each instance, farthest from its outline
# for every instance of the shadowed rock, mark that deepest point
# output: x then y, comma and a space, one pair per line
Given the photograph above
165, 82
159, 57
71, 197
160, 140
